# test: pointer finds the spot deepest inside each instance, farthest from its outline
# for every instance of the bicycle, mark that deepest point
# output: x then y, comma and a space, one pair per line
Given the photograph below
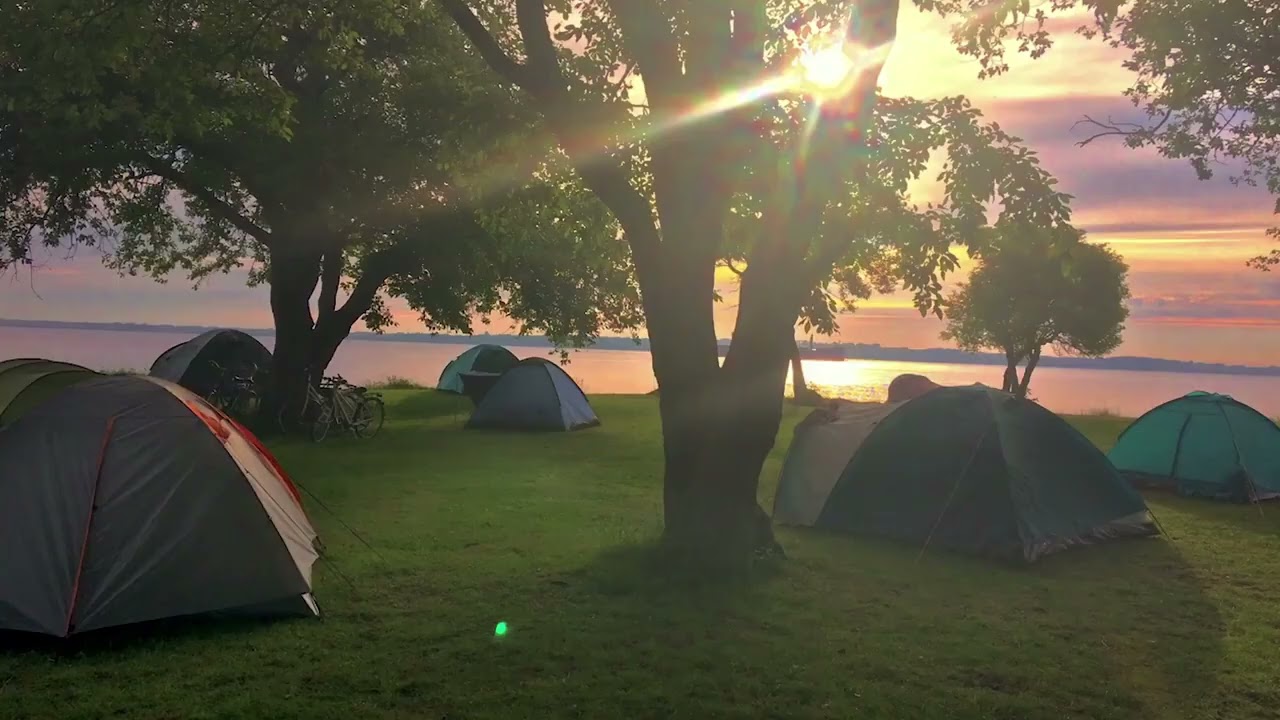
235, 394
349, 407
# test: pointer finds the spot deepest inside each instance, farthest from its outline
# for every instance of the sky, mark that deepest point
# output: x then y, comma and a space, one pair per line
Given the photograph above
1186, 241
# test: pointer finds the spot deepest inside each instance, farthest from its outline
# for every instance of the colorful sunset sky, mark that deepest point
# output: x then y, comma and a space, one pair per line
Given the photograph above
1186, 241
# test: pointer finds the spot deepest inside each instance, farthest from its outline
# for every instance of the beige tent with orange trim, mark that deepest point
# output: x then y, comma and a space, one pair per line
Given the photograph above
129, 499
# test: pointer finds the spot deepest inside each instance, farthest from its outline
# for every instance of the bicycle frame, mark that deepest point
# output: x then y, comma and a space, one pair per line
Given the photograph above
341, 399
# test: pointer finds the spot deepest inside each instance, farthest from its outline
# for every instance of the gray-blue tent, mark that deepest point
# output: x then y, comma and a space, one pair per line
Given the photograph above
191, 363
534, 395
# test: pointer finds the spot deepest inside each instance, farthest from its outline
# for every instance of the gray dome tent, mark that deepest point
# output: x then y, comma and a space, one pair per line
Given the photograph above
129, 499
189, 364
969, 469
26, 382
534, 395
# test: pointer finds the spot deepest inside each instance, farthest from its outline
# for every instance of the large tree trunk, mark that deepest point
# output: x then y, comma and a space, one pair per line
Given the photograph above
715, 445
306, 343
803, 394
718, 430
1010, 383
1032, 361
293, 281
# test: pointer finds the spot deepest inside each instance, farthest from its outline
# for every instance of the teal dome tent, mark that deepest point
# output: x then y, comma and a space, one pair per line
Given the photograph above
1203, 444
482, 359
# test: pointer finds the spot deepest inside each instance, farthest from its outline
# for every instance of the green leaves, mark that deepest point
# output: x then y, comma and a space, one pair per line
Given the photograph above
875, 237
196, 137
1034, 288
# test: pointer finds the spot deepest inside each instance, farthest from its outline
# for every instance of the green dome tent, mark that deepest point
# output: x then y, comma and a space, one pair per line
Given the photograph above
534, 395
1203, 444
969, 469
26, 382
481, 358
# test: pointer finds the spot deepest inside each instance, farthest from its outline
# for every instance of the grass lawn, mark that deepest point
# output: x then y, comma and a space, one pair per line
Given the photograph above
541, 531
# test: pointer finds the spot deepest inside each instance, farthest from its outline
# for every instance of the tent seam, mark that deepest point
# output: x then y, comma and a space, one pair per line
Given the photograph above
956, 486
1240, 456
1177, 447
88, 523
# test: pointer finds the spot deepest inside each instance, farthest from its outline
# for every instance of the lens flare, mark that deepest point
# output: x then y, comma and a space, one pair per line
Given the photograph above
500, 629
826, 69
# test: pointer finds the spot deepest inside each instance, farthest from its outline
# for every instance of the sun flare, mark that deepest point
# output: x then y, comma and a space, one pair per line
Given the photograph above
827, 68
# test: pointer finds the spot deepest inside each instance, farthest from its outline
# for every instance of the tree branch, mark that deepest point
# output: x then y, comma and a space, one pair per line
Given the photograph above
708, 53
1115, 128
219, 206
492, 53
620, 87
375, 270
649, 38
572, 122
749, 23
330, 279
539, 47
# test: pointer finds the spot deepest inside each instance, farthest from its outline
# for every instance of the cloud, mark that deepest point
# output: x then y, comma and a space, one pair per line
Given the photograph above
925, 63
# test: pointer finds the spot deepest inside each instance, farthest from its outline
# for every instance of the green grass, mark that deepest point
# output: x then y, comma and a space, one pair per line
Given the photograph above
542, 532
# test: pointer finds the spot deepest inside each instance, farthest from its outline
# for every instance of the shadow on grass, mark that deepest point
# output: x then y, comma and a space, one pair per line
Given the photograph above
211, 627
1119, 630
651, 572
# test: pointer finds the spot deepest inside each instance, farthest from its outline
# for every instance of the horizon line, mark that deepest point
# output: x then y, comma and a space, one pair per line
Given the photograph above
638, 343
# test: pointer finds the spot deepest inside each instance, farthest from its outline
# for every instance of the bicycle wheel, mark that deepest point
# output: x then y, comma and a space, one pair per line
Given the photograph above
369, 418
245, 406
320, 426
217, 400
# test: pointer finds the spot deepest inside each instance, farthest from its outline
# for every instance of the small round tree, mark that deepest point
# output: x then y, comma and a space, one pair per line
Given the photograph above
1028, 293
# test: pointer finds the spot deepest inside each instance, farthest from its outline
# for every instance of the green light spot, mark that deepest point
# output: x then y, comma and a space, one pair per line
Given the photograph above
500, 629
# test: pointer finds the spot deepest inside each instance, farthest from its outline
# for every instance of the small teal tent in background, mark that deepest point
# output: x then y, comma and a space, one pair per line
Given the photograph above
1203, 444
481, 358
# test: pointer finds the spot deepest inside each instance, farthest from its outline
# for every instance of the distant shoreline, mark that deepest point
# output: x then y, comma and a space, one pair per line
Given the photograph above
852, 351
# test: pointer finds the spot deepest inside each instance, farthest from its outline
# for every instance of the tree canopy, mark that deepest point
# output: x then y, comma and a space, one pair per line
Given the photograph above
342, 151
1028, 292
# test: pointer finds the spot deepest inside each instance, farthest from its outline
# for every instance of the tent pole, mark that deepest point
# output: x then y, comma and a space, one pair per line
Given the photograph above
947, 506
1240, 460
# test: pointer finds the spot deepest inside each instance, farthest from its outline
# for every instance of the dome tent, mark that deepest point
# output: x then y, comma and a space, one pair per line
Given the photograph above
129, 499
1000, 477
480, 358
534, 395
190, 364
823, 443
26, 382
1203, 444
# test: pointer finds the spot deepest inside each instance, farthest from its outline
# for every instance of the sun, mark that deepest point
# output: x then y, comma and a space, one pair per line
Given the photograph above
826, 69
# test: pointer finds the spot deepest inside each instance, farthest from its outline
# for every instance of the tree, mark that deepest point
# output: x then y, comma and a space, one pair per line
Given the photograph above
1026, 295
715, 146
1205, 77
344, 151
